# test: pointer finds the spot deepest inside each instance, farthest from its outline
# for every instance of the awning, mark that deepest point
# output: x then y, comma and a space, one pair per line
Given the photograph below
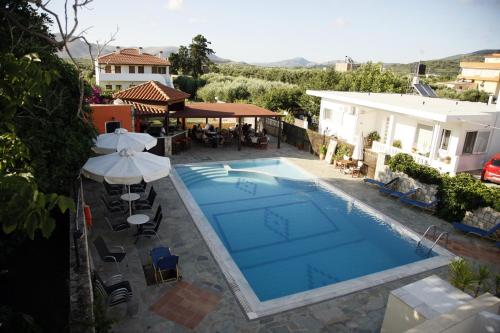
223, 110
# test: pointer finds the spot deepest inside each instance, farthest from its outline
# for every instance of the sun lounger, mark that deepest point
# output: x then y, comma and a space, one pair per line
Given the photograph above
397, 194
490, 233
380, 184
419, 204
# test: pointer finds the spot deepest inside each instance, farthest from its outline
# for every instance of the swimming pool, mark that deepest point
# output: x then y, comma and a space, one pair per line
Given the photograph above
281, 235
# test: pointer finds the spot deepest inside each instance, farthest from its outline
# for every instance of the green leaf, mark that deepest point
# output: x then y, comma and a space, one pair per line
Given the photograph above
65, 203
47, 226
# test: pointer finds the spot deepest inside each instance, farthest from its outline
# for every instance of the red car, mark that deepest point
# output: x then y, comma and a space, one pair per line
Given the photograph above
491, 170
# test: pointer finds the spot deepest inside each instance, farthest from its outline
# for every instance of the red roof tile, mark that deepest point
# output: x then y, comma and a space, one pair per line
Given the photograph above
224, 110
131, 57
143, 109
152, 92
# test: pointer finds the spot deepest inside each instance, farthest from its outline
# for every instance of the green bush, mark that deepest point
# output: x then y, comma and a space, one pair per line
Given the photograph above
188, 84
342, 149
372, 136
405, 163
456, 194
397, 144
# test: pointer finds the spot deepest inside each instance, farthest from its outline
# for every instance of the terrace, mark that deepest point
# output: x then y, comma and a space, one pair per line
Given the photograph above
204, 302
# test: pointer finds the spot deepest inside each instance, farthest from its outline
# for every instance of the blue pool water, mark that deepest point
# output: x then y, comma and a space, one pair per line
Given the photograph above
287, 234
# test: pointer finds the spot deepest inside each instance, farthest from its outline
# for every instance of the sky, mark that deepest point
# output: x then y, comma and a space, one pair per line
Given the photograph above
318, 30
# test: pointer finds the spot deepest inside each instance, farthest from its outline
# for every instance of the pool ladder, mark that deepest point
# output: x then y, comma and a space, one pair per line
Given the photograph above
442, 234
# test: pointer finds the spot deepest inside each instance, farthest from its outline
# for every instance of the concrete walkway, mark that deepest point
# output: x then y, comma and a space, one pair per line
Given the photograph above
359, 312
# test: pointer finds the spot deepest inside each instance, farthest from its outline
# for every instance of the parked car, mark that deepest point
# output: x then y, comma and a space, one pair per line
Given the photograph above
491, 169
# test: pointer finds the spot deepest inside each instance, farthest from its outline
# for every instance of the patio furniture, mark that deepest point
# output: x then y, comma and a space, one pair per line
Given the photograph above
143, 204
354, 169
263, 142
120, 139
145, 231
115, 290
419, 204
113, 189
381, 184
116, 225
164, 263
111, 208
397, 194
138, 188
106, 255
490, 233
158, 216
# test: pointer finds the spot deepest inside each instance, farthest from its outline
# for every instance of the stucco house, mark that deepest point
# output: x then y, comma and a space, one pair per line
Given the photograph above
483, 76
130, 67
452, 136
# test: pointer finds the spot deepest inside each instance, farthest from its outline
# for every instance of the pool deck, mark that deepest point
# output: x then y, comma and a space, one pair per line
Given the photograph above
203, 301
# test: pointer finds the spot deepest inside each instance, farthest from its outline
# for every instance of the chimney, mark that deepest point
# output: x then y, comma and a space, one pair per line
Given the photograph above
161, 55
140, 49
117, 49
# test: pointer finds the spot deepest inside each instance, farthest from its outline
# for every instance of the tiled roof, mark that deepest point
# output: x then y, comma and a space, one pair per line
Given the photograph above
143, 109
131, 57
152, 92
224, 110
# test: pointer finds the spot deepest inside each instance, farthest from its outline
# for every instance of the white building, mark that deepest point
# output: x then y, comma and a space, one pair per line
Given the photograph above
449, 135
126, 68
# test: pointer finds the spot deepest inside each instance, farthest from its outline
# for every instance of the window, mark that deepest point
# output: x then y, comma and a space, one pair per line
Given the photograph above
327, 114
118, 69
445, 139
112, 125
131, 69
107, 69
140, 69
159, 70
109, 87
118, 87
475, 142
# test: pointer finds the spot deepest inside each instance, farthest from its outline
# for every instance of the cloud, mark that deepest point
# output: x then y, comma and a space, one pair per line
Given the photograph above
195, 20
175, 4
340, 23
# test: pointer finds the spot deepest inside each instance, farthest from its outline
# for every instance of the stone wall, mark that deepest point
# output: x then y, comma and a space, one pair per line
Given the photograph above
484, 218
427, 192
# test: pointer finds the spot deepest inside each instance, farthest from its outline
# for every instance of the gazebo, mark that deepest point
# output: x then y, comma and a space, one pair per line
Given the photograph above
227, 110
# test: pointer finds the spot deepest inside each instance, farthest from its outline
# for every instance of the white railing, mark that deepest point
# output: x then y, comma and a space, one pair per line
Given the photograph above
390, 150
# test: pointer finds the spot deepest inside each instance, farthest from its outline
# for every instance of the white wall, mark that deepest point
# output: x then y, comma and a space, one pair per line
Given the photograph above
341, 122
125, 78
480, 72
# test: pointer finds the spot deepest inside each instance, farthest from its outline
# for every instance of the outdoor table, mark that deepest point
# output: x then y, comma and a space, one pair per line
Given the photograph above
344, 163
130, 196
138, 219
254, 139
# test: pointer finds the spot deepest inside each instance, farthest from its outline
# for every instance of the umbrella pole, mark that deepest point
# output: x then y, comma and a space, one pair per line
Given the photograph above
129, 202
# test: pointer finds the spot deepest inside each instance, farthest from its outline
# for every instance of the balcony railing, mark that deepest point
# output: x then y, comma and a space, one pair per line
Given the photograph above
390, 150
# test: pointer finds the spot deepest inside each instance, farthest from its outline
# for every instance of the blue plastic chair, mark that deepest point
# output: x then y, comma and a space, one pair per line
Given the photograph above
476, 231
163, 262
419, 204
397, 194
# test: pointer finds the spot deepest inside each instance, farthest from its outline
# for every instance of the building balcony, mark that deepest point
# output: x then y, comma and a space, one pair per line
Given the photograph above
442, 166
137, 77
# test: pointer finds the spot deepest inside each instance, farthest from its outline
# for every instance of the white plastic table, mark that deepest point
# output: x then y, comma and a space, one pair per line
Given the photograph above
130, 196
138, 219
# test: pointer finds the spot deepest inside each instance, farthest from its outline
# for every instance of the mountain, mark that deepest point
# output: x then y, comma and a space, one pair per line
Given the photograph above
80, 50
476, 54
295, 62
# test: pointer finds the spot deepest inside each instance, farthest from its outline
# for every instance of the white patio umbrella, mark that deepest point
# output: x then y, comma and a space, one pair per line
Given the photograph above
126, 167
357, 153
123, 139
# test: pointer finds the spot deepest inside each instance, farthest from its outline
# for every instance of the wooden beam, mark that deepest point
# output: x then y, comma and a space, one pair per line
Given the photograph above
239, 133
220, 124
279, 132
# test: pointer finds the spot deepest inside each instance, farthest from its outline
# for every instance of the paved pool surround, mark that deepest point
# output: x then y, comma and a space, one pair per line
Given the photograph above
249, 302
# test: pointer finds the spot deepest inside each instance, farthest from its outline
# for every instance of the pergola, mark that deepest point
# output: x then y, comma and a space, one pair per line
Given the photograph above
227, 110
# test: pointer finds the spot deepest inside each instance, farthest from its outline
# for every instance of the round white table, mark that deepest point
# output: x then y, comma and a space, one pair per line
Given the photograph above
130, 196
138, 219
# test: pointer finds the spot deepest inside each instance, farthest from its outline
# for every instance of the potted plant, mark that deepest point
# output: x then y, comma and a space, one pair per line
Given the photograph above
447, 159
397, 144
322, 152
372, 136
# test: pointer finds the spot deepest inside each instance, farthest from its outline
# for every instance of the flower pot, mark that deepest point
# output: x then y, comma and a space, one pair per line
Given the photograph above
321, 156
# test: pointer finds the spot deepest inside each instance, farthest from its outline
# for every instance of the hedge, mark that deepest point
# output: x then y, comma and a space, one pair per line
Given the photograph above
456, 194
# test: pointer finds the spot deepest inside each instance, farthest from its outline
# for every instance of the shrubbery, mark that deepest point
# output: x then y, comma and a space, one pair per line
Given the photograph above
456, 194
471, 95
188, 84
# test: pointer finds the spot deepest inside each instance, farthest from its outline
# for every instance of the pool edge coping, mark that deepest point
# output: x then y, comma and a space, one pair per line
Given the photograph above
247, 299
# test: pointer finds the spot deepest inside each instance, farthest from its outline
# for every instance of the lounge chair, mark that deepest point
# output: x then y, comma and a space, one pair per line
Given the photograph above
117, 225
106, 255
163, 263
113, 189
114, 291
158, 216
397, 194
490, 233
380, 184
138, 188
419, 204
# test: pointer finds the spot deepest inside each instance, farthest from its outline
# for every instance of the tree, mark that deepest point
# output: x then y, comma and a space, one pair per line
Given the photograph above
198, 54
180, 62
